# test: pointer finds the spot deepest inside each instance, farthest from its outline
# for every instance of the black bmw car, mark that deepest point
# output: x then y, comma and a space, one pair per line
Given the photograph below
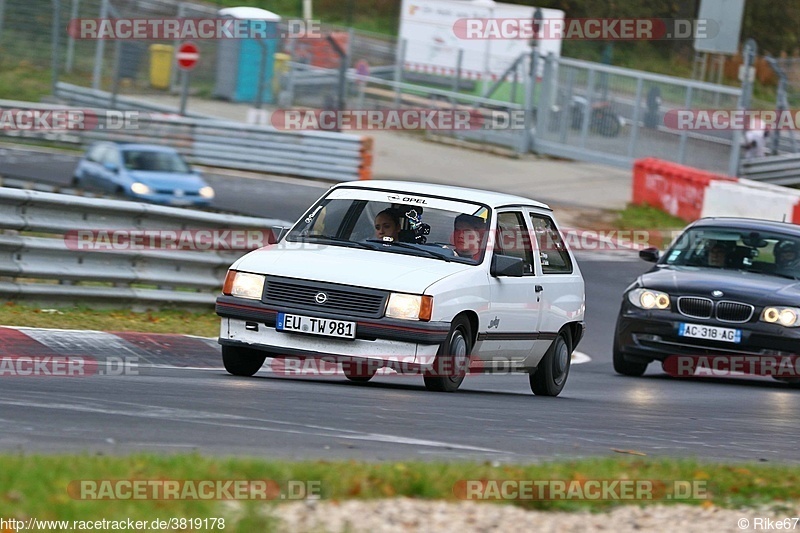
727, 288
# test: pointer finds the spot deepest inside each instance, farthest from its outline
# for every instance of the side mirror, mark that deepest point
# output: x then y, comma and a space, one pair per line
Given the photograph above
650, 255
111, 167
504, 265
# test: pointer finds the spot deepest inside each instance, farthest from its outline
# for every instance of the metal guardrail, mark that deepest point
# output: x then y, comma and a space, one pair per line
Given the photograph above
64, 267
219, 143
776, 169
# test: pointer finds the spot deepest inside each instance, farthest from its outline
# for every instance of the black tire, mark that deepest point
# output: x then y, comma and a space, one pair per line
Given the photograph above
553, 370
625, 367
606, 124
452, 361
241, 361
358, 372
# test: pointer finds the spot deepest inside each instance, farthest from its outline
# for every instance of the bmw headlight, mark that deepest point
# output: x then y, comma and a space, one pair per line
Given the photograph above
649, 299
409, 306
785, 316
140, 188
244, 285
207, 193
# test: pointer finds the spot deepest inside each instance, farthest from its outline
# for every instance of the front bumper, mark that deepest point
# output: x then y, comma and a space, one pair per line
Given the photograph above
251, 324
653, 336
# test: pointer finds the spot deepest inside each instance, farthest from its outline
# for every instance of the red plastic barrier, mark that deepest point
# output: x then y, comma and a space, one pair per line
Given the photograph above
676, 189
796, 215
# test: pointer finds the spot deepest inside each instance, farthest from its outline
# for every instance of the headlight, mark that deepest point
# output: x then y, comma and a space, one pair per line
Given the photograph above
785, 316
409, 306
207, 192
140, 188
649, 299
244, 285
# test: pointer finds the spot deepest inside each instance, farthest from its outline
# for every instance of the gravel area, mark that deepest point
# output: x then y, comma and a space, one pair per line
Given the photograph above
408, 515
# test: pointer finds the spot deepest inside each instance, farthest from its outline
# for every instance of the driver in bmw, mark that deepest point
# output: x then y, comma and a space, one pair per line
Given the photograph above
786, 255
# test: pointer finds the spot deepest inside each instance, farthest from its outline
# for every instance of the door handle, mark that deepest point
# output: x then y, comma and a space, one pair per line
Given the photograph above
539, 288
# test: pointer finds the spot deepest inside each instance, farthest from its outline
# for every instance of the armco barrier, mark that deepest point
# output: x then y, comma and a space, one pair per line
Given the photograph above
64, 269
676, 189
226, 144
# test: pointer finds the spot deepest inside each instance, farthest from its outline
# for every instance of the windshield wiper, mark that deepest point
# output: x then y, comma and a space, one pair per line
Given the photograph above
408, 246
339, 240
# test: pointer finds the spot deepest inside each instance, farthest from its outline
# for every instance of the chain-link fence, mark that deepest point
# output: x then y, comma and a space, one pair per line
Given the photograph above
621, 114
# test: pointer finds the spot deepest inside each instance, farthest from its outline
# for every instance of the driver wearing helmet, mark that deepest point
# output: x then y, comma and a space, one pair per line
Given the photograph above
787, 255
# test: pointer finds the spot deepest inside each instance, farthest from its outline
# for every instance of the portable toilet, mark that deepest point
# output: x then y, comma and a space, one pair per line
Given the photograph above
239, 60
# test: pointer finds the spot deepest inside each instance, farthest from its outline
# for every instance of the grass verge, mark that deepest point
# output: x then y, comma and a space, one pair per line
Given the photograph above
48, 487
204, 324
647, 217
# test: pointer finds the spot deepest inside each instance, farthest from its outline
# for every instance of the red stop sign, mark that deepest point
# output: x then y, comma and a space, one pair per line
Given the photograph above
188, 55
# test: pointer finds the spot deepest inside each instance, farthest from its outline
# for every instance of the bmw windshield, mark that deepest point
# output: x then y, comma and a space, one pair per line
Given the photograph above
768, 253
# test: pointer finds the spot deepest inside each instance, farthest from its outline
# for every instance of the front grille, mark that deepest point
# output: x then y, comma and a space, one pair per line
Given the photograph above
734, 312
695, 307
342, 299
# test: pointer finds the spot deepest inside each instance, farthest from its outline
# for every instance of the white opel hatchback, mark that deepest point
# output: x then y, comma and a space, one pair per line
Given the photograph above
414, 277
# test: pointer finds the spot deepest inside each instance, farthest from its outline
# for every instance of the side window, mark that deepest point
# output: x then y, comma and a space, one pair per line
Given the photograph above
109, 156
95, 154
552, 250
513, 238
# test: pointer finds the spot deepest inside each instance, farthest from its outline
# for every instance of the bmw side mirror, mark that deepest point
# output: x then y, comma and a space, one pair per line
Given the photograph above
504, 265
650, 255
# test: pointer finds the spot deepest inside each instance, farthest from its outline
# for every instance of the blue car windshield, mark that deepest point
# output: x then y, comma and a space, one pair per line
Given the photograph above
150, 161
764, 252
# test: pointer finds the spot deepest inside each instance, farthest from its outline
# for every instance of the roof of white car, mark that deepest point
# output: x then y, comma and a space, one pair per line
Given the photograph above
490, 198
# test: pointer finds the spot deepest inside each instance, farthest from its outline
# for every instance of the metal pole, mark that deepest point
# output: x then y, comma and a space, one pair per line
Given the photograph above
636, 113
70, 40
99, 51
750, 49
184, 91
398, 72
117, 66
262, 70
685, 132
55, 30
176, 43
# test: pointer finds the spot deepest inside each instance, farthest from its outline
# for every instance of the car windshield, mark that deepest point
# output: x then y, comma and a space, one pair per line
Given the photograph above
769, 253
155, 161
447, 229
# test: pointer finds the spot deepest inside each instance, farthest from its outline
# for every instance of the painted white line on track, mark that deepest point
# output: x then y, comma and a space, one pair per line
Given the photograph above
579, 358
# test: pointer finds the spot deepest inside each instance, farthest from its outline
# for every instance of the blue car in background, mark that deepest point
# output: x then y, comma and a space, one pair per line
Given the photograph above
151, 173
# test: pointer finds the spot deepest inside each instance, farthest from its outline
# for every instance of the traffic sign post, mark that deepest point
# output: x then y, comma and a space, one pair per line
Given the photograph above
187, 57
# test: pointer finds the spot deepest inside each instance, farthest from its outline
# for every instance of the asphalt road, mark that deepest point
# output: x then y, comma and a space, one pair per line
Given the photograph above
491, 418
279, 198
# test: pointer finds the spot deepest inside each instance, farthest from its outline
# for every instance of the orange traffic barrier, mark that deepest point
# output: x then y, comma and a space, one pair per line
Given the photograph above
365, 169
676, 189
